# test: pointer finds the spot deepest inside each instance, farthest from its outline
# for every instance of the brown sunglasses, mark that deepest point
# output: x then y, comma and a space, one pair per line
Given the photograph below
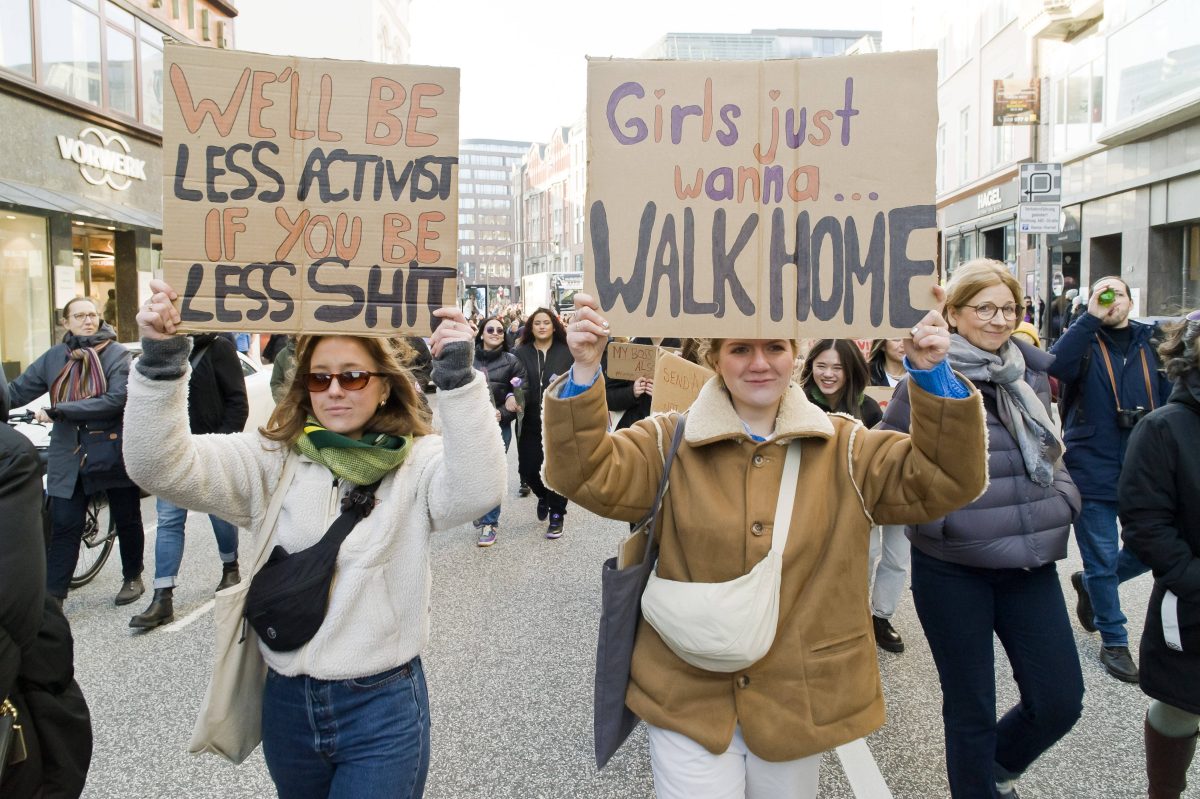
355, 380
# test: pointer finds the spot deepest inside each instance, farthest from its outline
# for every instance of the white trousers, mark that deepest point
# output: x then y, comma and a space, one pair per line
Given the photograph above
890, 547
683, 769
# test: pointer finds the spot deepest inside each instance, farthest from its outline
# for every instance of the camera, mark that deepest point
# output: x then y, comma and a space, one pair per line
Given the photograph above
1127, 418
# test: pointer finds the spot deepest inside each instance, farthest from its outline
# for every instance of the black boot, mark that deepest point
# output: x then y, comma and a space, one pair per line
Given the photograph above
160, 612
230, 575
1167, 761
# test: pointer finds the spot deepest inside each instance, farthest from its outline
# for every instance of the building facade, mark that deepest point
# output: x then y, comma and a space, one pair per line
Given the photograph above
757, 44
487, 219
553, 179
1119, 89
362, 30
81, 109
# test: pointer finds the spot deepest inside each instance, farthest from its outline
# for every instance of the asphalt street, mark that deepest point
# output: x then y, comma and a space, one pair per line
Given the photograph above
510, 669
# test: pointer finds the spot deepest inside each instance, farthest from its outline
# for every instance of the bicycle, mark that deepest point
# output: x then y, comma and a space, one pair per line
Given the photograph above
99, 529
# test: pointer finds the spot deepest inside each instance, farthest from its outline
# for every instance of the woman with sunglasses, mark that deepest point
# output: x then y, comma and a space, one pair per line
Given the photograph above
85, 376
544, 353
346, 713
989, 568
506, 380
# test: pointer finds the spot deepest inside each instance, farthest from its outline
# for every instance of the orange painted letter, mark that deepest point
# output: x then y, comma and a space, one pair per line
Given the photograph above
379, 112
416, 111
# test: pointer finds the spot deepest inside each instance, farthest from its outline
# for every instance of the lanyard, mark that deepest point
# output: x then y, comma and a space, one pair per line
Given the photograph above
1112, 377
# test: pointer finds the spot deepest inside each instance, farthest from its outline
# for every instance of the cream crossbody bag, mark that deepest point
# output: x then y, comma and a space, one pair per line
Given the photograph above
727, 626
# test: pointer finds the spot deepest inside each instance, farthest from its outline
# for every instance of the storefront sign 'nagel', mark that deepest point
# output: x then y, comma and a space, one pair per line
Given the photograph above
306, 195
790, 198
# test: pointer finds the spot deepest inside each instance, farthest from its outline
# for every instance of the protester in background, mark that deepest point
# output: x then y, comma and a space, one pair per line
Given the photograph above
85, 376
506, 381
835, 376
217, 403
1110, 378
989, 568
1159, 500
1028, 333
110, 308
36, 650
544, 354
282, 367
1029, 310
762, 730
347, 713
889, 557
631, 399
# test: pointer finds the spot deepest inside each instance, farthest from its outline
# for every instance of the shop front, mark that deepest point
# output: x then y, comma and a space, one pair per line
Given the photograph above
80, 215
983, 225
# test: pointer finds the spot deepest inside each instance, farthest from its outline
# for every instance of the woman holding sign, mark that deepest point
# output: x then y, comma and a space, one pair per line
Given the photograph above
989, 567
758, 728
346, 712
544, 354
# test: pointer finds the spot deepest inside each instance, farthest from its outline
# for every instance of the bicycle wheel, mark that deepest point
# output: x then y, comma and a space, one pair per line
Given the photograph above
98, 533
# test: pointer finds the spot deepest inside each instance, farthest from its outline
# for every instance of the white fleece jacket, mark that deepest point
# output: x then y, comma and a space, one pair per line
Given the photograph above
378, 615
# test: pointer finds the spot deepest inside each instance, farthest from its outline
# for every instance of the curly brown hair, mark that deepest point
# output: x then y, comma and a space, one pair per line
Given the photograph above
402, 414
1180, 350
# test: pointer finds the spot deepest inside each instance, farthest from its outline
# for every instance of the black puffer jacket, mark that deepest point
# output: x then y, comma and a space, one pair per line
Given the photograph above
500, 367
217, 401
1159, 500
1016, 523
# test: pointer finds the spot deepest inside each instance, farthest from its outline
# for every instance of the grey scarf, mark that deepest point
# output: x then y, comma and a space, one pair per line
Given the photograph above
1020, 410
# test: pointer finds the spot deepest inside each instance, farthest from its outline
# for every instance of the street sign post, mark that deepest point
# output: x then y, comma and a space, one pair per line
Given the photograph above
1038, 217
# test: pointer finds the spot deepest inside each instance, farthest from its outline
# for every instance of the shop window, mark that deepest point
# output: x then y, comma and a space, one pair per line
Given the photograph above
1153, 60
25, 325
70, 49
120, 77
152, 80
16, 38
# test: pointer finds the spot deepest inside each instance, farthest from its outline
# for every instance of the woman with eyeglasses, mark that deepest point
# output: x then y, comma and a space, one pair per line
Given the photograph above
347, 713
506, 380
990, 567
85, 376
544, 353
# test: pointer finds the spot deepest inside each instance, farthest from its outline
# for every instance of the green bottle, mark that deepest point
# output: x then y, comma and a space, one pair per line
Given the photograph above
1107, 297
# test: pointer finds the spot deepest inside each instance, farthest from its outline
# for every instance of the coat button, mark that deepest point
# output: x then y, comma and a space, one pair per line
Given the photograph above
757, 528
743, 681
759, 460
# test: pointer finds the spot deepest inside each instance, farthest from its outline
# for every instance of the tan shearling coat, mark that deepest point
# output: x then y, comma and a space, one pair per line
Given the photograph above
818, 686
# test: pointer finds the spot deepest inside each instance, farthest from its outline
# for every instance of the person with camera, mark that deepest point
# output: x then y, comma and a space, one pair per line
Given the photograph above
1111, 378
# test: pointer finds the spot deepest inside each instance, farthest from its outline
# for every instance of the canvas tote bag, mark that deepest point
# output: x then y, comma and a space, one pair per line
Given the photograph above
727, 626
230, 719
621, 589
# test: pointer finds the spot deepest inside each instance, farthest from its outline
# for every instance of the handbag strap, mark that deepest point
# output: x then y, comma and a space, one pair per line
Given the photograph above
356, 506
648, 522
787, 497
272, 516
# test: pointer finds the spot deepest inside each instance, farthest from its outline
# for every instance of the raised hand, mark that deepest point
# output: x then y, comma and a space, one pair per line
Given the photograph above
587, 336
929, 340
454, 327
158, 318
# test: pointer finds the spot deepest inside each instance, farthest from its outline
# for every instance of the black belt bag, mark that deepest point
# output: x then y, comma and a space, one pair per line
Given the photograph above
289, 596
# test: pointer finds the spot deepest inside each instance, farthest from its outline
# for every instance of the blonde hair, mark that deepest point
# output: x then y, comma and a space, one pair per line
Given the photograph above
402, 413
977, 275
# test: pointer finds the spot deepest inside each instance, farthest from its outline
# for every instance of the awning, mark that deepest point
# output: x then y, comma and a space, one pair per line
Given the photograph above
76, 205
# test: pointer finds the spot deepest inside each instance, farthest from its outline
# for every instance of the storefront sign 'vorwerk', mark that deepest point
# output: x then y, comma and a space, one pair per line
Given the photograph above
103, 158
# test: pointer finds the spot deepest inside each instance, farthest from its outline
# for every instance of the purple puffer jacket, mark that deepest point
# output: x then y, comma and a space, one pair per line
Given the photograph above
1016, 523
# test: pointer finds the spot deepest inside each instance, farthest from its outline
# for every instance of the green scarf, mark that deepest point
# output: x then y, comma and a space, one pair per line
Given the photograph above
362, 462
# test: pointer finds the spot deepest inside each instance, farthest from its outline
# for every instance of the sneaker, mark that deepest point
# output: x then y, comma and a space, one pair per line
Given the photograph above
555, 530
886, 637
487, 535
523, 491
543, 510
1119, 663
1083, 603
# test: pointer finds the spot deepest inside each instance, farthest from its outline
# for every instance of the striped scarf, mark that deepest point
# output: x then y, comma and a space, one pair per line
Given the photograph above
82, 377
362, 462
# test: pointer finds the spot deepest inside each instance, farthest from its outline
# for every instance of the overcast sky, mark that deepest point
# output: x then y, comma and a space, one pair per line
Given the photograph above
523, 61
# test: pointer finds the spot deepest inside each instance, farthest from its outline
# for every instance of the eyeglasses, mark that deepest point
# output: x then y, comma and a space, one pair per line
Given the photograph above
350, 381
493, 330
986, 310
85, 317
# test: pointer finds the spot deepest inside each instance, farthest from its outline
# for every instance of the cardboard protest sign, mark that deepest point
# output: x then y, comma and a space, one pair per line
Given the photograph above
881, 394
308, 195
768, 199
630, 361
677, 383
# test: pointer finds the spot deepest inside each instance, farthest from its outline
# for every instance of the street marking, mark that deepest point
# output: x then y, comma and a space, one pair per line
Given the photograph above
862, 772
192, 617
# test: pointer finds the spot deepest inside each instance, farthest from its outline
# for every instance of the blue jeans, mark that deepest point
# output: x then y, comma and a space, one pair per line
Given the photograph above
959, 608
1105, 566
168, 542
66, 534
346, 739
493, 516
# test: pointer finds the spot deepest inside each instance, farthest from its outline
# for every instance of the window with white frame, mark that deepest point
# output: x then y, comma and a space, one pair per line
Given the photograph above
964, 145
